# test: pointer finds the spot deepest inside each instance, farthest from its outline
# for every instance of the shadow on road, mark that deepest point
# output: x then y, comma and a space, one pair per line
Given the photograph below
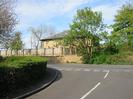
51, 72
59, 75
50, 77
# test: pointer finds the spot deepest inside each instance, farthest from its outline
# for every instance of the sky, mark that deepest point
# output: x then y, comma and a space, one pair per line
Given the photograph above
59, 13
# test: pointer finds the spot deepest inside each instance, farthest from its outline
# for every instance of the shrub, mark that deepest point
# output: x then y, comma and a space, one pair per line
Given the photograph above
1, 58
111, 49
86, 59
19, 72
120, 59
100, 59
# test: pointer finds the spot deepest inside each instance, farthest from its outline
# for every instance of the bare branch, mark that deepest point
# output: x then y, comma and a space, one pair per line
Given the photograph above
8, 19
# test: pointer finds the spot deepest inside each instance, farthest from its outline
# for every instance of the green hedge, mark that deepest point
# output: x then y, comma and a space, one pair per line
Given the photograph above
1, 58
20, 72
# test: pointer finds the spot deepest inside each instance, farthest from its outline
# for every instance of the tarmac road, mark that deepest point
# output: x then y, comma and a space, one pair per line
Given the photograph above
77, 81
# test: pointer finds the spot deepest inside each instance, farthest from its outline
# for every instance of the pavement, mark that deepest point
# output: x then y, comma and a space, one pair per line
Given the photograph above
78, 81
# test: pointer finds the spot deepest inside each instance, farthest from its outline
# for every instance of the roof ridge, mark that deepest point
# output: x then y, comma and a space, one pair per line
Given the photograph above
56, 36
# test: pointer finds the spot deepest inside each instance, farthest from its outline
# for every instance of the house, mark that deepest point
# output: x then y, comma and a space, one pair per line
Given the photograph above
52, 41
53, 48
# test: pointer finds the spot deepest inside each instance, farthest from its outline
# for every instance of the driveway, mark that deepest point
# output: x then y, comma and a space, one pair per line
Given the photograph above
79, 81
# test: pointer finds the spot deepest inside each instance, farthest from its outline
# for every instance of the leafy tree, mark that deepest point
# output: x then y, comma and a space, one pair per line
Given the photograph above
84, 32
122, 34
16, 43
107, 46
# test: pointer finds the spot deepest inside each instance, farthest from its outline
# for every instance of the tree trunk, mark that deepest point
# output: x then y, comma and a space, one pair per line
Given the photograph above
6, 52
36, 51
16, 52
89, 49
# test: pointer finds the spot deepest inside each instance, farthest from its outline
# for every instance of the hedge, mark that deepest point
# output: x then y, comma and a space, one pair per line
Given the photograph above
20, 72
1, 58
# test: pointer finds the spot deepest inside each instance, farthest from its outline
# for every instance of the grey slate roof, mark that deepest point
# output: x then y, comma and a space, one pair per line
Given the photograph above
56, 36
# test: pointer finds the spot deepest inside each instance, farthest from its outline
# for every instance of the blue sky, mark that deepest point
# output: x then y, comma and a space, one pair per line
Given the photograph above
59, 13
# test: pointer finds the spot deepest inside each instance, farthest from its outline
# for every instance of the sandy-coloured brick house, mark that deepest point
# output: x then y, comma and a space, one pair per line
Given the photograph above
63, 53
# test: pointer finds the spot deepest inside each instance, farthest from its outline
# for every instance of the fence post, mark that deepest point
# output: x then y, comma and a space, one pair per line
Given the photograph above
53, 51
6, 53
44, 51
23, 52
11, 52
70, 51
61, 51
30, 51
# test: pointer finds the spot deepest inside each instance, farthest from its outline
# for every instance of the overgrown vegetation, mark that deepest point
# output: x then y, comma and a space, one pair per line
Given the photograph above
118, 59
88, 31
84, 31
16, 72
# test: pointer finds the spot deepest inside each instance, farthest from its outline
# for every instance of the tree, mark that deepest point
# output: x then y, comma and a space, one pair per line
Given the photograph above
107, 46
16, 43
37, 34
7, 21
84, 32
123, 28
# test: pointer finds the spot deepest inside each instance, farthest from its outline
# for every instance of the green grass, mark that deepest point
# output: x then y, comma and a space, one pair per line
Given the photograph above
20, 61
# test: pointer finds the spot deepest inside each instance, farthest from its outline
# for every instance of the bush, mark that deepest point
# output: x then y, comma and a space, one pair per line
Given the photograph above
86, 59
111, 49
20, 72
1, 58
120, 59
100, 59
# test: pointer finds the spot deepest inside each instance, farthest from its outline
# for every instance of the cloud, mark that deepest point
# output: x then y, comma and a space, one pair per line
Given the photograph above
47, 10
72, 4
36, 12
108, 12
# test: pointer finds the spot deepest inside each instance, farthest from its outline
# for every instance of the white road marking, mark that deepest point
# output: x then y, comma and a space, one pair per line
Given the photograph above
68, 69
77, 69
96, 70
83, 97
106, 74
86, 70
105, 70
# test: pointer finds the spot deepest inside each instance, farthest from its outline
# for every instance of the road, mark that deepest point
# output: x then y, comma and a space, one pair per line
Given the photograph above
79, 81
